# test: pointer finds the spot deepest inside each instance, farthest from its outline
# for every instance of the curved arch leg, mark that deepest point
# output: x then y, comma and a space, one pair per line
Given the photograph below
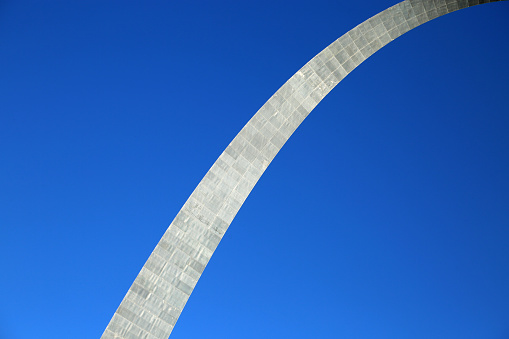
155, 300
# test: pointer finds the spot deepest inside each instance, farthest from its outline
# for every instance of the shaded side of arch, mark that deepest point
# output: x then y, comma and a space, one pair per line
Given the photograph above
155, 300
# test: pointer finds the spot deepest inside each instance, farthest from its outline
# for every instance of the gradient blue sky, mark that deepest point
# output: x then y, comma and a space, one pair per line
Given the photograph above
384, 216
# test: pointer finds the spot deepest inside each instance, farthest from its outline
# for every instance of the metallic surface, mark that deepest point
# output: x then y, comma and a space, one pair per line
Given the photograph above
155, 300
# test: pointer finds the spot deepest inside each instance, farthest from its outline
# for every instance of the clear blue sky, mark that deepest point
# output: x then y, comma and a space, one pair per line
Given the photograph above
384, 216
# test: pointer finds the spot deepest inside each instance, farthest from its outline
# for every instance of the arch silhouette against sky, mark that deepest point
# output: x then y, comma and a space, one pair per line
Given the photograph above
158, 295
378, 212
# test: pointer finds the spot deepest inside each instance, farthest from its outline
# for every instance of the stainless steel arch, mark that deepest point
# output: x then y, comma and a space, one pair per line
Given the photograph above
155, 300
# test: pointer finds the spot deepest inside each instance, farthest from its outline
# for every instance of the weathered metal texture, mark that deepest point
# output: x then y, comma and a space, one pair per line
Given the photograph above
155, 300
